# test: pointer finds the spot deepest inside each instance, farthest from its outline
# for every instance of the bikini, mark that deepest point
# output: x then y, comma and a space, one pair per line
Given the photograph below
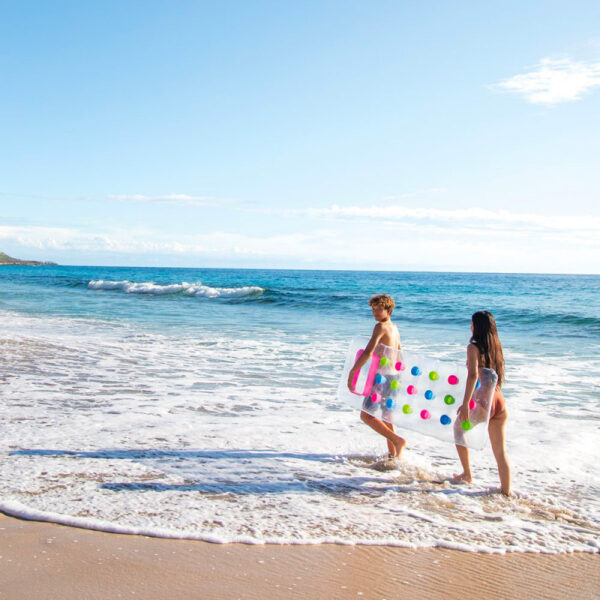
498, 402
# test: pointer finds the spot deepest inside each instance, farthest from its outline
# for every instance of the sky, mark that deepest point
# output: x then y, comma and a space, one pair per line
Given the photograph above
443, 136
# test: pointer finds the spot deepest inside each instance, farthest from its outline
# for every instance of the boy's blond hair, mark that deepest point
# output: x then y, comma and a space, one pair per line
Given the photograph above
384, 301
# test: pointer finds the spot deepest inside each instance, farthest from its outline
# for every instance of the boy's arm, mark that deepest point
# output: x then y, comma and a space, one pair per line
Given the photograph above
367, 353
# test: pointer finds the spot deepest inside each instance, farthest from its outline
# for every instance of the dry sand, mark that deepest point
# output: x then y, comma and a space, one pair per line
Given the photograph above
47, 561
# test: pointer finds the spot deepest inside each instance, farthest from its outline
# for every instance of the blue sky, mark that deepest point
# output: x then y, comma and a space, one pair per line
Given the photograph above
391, 135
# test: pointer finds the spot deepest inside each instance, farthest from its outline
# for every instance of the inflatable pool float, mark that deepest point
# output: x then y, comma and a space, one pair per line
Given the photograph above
419, 393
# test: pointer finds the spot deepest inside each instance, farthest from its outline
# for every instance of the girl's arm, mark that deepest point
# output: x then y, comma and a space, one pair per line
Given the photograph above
367, 353
473, 371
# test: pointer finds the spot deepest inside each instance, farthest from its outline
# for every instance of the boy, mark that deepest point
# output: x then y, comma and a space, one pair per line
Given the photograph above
385, 341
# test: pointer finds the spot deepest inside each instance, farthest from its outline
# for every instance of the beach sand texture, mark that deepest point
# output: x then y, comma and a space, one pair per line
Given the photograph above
44, 561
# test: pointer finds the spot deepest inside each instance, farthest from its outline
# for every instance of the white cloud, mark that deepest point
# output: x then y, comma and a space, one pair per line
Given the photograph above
553, 81
152, 242
353, 237
469, 218
179, 199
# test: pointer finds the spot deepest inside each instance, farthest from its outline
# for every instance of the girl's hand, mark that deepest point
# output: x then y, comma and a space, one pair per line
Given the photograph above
463, 412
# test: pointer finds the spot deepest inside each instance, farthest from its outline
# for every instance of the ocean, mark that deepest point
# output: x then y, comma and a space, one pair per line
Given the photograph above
201, 403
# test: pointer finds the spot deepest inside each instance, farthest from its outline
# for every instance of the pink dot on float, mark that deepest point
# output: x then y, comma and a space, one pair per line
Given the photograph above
425, 414
400, 366
472, 404
374, 398
411, 390
453, 380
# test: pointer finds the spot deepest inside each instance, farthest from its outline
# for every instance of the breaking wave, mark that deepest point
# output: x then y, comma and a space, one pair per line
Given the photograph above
183, 289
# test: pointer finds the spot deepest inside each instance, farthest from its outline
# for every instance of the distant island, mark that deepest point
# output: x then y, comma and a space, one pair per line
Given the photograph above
9, 260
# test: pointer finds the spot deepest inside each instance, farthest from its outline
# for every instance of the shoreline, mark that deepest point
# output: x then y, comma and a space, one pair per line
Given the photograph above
76, 563
23, 513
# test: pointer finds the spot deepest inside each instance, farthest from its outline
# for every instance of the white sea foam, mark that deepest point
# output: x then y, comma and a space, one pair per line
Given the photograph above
184, 288
228, 437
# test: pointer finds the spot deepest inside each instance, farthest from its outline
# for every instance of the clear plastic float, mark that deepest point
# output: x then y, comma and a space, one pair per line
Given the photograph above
419, 393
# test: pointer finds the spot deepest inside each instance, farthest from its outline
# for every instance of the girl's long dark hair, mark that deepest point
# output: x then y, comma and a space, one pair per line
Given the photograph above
485, 337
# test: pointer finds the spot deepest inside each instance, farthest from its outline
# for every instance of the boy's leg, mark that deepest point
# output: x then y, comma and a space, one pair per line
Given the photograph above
496, 430
391, 447
381, 428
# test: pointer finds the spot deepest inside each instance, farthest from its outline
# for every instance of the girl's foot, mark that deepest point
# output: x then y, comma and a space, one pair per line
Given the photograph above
461, 478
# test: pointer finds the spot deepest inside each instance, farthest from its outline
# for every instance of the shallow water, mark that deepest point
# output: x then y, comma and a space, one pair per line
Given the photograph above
201, 403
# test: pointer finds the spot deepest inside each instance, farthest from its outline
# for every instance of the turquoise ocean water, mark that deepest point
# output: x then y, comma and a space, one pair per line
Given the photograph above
153, 399
532, 310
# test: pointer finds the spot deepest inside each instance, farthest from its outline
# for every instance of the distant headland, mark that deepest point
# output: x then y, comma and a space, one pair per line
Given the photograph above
9, 260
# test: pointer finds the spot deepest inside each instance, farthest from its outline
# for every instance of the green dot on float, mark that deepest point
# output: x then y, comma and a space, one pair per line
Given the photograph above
449, 399
433, 376
394, 385
406, 409
466, 425
384, 361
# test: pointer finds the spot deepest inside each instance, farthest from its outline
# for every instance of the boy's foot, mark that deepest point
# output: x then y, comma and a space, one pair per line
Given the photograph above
461, 478
399, 447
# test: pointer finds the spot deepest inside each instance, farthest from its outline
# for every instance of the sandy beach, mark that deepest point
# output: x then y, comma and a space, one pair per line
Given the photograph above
299, 300
46, 561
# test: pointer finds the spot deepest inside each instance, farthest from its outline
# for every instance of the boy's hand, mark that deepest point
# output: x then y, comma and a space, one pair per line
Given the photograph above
351, 379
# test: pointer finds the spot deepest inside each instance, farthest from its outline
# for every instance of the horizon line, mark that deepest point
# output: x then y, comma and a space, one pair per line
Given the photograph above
358, 270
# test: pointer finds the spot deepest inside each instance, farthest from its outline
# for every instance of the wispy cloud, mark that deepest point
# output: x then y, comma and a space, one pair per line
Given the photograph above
553, 81
354, 237
127, 241
179, 199
468, 218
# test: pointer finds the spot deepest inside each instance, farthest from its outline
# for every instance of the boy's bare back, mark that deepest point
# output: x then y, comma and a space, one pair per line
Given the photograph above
387, 334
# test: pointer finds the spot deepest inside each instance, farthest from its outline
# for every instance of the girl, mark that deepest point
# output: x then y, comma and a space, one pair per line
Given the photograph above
485, 351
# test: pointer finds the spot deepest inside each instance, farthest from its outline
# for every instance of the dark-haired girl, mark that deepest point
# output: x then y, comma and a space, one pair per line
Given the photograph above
485, 351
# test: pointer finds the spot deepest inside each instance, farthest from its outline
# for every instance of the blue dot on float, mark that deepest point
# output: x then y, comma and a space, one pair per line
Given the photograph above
379, 379
445, 420
390, 403
477, 385
415, 371
429, 395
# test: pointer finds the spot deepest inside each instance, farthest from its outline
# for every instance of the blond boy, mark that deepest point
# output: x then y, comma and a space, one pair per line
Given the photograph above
384, 341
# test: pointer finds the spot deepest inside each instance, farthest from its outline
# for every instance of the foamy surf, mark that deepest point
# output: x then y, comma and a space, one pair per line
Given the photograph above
184, 288
223, 424
234, 438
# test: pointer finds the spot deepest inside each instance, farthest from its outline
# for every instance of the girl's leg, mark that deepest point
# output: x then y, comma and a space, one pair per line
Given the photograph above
496, 430
381, 428
463, 454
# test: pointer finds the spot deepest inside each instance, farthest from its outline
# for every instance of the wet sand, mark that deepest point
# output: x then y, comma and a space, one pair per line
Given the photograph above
40, 561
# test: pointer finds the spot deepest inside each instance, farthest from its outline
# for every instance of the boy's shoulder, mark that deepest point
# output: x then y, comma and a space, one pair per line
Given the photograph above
387, 327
